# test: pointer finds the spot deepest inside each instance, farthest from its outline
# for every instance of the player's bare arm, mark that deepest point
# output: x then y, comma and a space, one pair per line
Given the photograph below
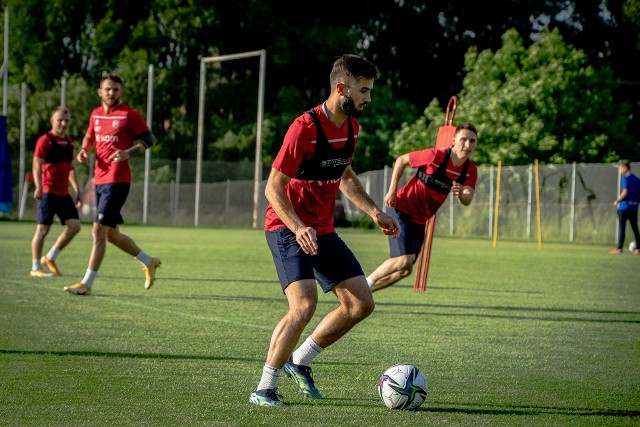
85, 148
277, 197
399, 166
464, 194
73, 180
351, 186
37, 177
146, 140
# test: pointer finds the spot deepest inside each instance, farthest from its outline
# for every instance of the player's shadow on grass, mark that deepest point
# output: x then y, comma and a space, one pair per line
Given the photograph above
432, 310
121, 355
477, 409
138, 279
530, 410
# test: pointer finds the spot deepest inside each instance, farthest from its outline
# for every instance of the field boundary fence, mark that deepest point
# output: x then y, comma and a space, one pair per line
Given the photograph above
576, 200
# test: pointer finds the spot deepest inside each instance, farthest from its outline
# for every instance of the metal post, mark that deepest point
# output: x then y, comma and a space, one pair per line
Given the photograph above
227, 202
200, 138
5, 74
258, 157
176, 196
63, 92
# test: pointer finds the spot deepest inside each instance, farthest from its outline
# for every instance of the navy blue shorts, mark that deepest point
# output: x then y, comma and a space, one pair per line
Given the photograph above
410, 239
109, 201
333, 264
54, 204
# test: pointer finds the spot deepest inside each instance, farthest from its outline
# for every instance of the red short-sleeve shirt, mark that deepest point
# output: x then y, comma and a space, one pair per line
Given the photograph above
420, 202
313, 201
117, 129
55, 176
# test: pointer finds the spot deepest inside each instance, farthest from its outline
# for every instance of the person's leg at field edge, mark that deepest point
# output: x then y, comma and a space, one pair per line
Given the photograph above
109, 199
391, 271
103, 234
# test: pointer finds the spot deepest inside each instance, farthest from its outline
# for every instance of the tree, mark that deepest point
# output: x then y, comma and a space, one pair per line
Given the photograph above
543, 102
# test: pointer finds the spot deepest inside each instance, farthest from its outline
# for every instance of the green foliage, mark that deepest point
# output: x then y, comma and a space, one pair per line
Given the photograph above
543, 102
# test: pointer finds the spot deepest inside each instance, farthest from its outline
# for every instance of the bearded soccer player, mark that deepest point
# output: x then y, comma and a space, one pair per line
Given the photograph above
313, 163
113, 129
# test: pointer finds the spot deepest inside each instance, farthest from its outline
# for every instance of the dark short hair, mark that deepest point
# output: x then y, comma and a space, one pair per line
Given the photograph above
110, 76
625, 163
467, 126
352, 66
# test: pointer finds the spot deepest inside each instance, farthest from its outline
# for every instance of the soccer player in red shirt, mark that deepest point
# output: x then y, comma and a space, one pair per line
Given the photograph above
53, 171
440, 172
314, 162
113, 129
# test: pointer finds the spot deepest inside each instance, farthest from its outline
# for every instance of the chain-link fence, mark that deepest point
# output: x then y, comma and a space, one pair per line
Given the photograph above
572, 202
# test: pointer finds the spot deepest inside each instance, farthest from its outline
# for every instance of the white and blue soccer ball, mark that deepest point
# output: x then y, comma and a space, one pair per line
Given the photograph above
402, 386
633, 246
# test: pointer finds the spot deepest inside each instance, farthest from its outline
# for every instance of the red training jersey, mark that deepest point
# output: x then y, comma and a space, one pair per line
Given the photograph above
313, 201
117, 129
416, 199
55, 175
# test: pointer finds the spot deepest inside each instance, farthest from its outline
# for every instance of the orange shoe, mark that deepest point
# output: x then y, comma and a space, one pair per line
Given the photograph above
39, 273
78, 289
616, 251
51, 265
150, 272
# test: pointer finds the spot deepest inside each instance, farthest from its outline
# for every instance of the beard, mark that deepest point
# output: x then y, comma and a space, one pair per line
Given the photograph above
349, 108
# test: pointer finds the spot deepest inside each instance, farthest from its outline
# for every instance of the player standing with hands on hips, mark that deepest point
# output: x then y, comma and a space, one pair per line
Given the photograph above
53, 171
440, 172
313, 163
113, 129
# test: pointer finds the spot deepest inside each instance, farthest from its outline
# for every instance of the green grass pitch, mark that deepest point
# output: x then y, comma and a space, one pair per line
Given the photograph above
511, 335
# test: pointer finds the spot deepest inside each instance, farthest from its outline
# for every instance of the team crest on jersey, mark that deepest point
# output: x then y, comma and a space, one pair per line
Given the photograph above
97, 122
115, 123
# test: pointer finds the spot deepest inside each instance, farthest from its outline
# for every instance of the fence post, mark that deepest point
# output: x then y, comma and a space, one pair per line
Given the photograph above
176, 195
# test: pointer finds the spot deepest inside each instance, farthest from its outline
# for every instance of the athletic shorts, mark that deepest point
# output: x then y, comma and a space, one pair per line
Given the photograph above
333, 264
54, 204
109, 201
410, 239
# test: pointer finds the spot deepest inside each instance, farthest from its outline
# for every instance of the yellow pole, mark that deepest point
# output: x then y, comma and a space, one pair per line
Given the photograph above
538, 222
495, 216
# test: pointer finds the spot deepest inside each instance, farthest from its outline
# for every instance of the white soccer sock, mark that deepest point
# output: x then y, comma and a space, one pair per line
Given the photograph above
53, 253
370, 282
35, 264
144, 258
89, 277
269, 378
305, 354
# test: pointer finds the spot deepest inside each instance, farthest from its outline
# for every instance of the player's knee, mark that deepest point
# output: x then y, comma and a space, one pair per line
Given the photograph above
367, 308
405, 267
74, 227
303, 311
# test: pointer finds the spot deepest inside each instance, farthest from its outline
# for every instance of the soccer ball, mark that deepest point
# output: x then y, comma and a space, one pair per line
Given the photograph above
402, 386
633, 246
